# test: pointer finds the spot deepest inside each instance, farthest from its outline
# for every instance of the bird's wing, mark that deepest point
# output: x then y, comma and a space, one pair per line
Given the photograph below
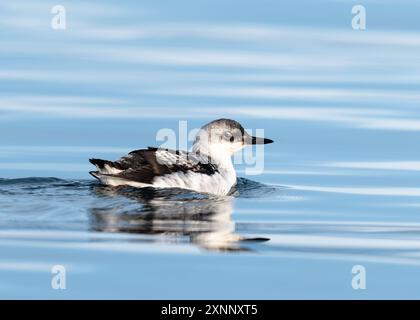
146, 164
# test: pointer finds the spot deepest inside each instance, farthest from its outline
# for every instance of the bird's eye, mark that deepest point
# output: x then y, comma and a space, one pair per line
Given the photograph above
229, 137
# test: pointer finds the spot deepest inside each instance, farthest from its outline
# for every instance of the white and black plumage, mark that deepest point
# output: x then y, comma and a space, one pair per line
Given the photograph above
208, 168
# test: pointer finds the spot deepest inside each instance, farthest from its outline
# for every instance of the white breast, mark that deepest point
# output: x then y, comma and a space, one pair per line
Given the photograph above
219, 183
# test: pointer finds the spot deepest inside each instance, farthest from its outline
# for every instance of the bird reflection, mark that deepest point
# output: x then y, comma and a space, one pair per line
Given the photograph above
205, 220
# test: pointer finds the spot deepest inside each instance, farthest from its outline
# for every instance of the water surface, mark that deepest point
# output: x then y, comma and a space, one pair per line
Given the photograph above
340, 185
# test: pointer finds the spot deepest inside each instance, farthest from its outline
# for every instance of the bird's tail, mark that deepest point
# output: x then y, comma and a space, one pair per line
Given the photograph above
105, 166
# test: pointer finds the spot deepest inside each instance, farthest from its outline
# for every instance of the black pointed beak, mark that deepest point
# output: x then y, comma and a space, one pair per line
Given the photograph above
256, 140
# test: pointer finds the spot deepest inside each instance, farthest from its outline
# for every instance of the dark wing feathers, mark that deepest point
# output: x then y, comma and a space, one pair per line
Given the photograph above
146, 164
101, 163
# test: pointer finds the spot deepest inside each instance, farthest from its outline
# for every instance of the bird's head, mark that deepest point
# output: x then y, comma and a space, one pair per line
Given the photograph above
224, 137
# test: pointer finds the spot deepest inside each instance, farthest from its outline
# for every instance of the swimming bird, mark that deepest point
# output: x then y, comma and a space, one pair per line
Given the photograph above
208, 168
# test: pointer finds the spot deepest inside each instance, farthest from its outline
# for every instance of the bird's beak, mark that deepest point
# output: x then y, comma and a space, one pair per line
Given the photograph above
256, 140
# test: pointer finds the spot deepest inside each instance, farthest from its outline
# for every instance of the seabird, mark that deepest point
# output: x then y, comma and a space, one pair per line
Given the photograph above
208, 168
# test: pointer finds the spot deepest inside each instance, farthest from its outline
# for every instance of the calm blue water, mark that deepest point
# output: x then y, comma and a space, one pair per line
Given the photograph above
340, 186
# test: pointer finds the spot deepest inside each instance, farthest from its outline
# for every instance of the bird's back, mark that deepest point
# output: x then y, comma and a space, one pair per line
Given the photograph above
165, 168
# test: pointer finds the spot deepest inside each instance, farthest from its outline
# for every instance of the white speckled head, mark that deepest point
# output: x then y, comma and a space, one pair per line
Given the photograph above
223, 137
